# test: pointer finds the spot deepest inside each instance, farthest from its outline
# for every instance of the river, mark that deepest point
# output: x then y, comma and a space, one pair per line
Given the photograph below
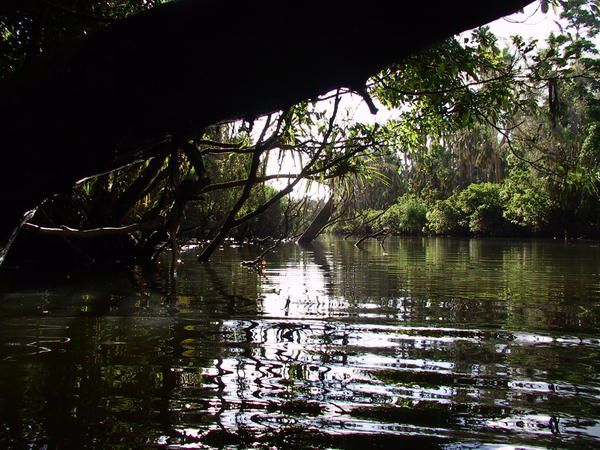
422, 343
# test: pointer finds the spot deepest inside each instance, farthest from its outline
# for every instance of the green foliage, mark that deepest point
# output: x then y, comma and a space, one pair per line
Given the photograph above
29, 28
448, 87
382, 184
444, 218
481, 208
406, 216
527, 201
264, 225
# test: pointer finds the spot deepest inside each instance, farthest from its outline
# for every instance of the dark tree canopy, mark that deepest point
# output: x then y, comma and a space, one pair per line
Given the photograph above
159, 77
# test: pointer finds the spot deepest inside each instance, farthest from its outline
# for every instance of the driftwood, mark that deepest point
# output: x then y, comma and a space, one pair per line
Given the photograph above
128, 91
94, 233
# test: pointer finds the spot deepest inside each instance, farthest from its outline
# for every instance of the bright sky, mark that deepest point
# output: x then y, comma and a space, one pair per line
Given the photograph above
530, 24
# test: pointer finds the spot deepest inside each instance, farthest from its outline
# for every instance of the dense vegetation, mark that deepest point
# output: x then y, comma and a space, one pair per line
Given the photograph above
493, 141
486, 140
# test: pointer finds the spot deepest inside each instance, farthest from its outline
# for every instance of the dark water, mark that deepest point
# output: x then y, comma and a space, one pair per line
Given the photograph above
426, 343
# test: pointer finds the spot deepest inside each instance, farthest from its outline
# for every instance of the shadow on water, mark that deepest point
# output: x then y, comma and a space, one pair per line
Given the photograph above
427, 342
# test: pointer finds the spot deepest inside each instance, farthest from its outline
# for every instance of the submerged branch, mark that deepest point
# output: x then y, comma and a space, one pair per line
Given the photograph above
368, 236
365, 223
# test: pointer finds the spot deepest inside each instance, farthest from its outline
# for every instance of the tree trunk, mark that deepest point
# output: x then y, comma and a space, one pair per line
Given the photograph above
168, 73
318, 223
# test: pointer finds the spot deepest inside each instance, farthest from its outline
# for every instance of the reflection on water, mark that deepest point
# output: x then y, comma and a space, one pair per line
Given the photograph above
428, 342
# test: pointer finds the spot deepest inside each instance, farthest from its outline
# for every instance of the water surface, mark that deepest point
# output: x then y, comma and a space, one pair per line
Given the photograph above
427, 342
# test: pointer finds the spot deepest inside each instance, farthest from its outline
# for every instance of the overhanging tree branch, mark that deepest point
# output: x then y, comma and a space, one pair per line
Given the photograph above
101, 103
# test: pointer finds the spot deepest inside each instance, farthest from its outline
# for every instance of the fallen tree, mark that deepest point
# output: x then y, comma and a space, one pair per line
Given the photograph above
154, 80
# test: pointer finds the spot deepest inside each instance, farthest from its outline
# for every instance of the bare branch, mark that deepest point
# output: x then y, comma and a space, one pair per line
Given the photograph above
290, 187
94, 233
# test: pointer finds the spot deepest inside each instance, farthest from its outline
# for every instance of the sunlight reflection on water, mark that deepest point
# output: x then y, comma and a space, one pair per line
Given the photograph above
430, 342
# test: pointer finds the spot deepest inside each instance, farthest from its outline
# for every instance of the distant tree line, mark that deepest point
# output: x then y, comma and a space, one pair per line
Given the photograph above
494, 141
